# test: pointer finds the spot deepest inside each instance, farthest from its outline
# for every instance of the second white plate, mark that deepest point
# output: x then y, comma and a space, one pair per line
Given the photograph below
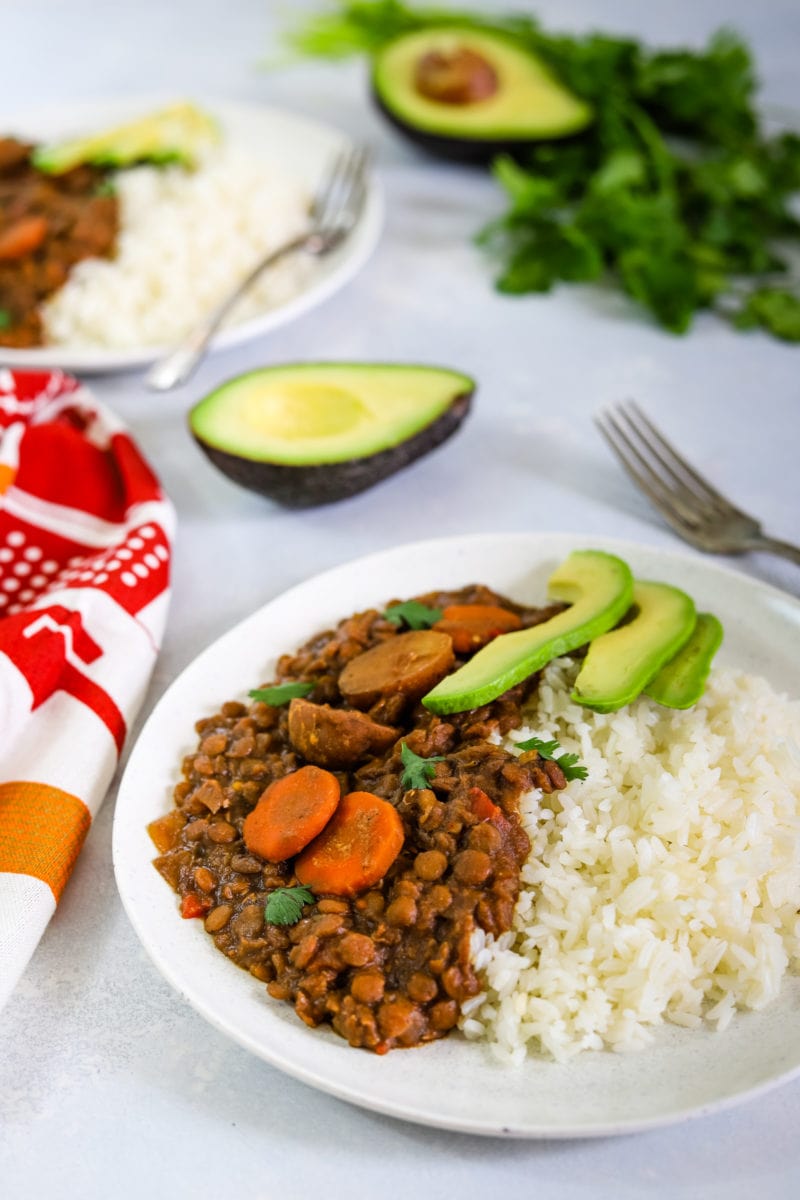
300, 146
452, 1083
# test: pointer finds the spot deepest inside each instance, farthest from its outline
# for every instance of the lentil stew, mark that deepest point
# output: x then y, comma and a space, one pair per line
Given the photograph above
48, 223
389, 967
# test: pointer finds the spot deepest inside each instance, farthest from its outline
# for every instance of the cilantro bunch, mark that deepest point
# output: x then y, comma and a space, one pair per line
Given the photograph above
675, 193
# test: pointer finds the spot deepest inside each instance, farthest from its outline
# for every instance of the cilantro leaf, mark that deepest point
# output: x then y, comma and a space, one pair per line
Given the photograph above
417, 771
544, 749
5, 318
414, 614
281, 693
285, 905
568, 763
774, 309
571, 767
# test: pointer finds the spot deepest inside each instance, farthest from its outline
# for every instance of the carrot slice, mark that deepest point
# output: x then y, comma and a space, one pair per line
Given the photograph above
290, 813
474, 625
355, 849
21, 238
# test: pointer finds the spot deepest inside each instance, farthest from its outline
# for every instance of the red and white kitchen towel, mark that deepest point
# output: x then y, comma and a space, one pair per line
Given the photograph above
85, 538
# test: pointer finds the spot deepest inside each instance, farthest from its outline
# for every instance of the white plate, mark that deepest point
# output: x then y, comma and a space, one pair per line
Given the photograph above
452, 1083
302, 147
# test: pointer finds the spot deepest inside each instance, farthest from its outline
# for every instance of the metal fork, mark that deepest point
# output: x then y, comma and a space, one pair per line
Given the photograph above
695, 510
335, 209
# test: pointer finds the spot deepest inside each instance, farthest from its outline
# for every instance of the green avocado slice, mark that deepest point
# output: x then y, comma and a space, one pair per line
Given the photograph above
310, 433
597, 586
620, 664
681, 683
522, 101
174, 134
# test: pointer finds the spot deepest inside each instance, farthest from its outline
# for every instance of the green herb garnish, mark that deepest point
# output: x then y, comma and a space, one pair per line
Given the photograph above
5, 318
417, 771
568, 763
414, 614
281, 693
675, 193
775, 309
106, 187
285, 905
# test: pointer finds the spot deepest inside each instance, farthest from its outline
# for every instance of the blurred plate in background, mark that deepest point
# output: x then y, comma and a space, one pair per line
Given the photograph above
294, 144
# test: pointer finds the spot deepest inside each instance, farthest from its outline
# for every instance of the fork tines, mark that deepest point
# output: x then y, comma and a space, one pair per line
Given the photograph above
341, 193
673, 485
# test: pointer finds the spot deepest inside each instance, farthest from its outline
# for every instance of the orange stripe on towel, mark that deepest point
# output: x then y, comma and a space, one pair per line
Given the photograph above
42, 830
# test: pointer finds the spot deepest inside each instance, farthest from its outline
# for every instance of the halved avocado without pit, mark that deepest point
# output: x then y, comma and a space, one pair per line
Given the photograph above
310, 433
470, 94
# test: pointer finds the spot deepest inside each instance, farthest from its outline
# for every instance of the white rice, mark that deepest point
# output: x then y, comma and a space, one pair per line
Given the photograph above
186, 238
665, 887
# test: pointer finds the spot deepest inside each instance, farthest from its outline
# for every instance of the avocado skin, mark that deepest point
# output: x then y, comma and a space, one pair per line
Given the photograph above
310, 486
477, 151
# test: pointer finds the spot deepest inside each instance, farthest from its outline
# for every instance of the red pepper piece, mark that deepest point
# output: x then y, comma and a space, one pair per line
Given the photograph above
193, 905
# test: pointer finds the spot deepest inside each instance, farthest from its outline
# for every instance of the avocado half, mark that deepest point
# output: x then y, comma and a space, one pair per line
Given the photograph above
310, 433
469, 94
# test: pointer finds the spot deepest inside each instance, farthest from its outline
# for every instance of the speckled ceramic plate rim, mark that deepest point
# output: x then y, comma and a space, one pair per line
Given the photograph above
452, 1084
298, 143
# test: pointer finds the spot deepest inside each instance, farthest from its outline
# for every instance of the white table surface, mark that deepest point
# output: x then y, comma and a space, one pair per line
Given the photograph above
110, 1085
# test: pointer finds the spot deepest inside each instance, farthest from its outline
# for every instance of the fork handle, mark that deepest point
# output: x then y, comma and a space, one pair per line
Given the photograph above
772, 545
180, 363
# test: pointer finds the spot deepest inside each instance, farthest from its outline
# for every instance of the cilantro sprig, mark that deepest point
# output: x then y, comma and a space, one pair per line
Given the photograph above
5, 318
285, 905
417, 771
569, 763
674, 193
414, 614
281, 693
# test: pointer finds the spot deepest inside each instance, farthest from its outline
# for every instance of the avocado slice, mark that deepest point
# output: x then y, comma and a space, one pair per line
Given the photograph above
470, 94
174, 134
310, 433
681, 683
597, 586
620, 664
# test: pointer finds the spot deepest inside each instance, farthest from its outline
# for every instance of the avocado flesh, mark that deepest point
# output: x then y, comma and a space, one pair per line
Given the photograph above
174, 134
528, 104
312, 433
681, 683
597, 586
620, 664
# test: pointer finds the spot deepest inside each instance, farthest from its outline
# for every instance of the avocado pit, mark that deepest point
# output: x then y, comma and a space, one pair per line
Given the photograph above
455, 76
